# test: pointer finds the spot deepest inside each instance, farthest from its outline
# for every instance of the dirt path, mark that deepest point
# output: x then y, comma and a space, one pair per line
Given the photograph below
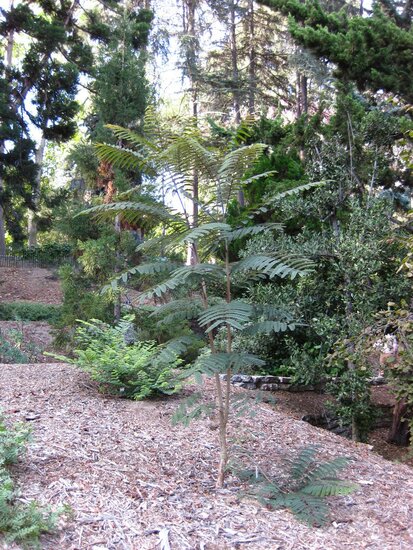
130, 476
31, 285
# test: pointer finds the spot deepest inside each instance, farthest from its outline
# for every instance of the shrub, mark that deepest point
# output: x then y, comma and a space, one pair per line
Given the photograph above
49, 253
129, 370
29, 311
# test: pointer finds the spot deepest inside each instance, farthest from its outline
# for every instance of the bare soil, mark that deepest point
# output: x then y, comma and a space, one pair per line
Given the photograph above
30, 285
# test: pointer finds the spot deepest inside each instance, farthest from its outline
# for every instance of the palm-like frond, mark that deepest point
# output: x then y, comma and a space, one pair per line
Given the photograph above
235, 314
185, 275
222, 362
205, 230
175, 348
131, 211
280, 265
252, 230
148, 269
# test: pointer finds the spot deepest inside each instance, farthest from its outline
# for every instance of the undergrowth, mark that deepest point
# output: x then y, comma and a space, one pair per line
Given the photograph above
304, 492
20, 522
29, 311
120, 364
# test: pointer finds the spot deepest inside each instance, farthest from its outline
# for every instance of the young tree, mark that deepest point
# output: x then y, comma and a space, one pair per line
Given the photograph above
180, 154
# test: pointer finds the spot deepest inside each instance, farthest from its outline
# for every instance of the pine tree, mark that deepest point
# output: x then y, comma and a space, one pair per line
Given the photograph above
38, 88
374, 52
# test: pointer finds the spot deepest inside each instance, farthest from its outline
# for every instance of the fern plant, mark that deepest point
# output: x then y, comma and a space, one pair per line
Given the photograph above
18, 521
304, 493
209, 237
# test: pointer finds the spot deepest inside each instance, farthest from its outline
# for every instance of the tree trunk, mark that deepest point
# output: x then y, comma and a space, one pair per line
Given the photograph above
234, 61
8, 61
189, 27
235, 79
252, 59
399, 432
298, 96
117, 311
32, 222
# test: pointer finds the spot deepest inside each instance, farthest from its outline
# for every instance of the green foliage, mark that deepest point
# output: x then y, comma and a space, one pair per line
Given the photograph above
133, 370
80, 301
22, 523
12, 442
310, 483
11, 353
53, 253
371, 51
29, 311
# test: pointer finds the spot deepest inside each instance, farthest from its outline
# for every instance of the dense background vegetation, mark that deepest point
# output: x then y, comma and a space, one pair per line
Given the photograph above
275, 192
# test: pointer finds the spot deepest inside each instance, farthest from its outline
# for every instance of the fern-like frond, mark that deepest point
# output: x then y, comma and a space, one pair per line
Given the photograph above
235, 314
259, 176
329, 488
268, 327
124, 158
237, 162
301, 465
252, 230
131, 211
175, 348
307, 508
328, 469
148, 269
222, 362
298, 189
184, 275
132, 138
205, 230
280, 265
178, 310
186, 154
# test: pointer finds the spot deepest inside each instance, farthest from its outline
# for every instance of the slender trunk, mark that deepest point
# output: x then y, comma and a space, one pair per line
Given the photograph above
32, 222
236, 100
8, 61
224, 399
361, 7
252, 59
234, 61
304, 94
298, 95
117, 306
189, 26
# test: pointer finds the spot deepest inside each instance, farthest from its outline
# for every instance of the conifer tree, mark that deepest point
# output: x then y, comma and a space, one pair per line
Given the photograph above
374, 52
38, 88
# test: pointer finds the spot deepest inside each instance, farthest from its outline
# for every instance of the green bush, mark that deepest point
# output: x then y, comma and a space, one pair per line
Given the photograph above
129, 370
29, 311
10, 353
80, 301
49, 253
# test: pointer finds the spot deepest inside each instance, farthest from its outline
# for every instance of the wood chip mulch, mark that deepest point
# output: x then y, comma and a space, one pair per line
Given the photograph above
136, 482
29, 285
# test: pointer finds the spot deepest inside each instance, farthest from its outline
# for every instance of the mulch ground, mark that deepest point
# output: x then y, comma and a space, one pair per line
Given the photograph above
29, 285
136, 482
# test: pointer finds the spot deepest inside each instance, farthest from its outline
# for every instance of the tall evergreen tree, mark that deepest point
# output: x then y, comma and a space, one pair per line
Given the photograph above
374, 52
37, 88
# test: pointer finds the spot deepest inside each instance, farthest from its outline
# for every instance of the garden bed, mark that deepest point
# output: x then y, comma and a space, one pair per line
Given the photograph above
133, 479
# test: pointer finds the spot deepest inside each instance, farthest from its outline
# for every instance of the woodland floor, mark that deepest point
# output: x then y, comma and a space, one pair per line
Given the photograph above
135, 482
